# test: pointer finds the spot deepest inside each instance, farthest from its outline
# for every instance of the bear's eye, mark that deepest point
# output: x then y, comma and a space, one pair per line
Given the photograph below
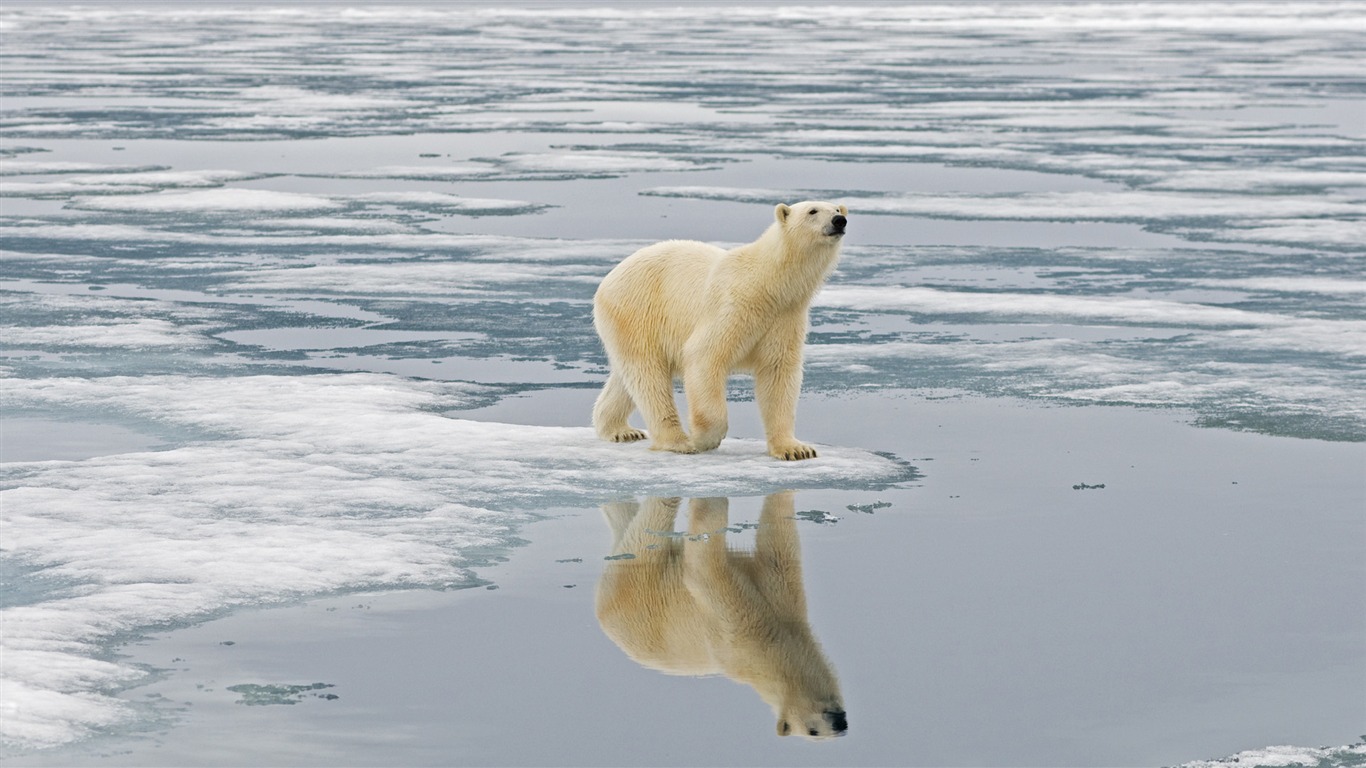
813, 212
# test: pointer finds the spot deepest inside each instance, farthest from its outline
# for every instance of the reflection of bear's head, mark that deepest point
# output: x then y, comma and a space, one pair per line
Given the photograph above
689, 605
812, 219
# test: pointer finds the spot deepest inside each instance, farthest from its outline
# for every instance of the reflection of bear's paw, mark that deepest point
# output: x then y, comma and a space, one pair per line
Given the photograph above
793, 451
627, 435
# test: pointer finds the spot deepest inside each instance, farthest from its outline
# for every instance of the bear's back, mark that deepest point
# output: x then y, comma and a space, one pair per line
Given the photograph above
656, 295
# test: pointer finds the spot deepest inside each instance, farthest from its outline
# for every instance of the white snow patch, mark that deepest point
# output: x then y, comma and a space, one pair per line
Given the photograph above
1293, 284
1248, 180
209, 201
1335, 232
140, 333
445, 201
596, 161
1111, 308
1285, 756
411, 279
11, 167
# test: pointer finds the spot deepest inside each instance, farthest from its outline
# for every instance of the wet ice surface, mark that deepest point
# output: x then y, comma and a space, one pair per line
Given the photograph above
282, 286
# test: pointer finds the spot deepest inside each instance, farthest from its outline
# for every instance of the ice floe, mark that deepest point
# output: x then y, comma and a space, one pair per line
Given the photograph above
296, 486
449, 279
142, 333
443, 202
229, 200
1286, 756
11, 167
1109, 308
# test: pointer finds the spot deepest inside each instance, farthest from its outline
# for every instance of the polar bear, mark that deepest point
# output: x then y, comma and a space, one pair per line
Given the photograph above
687, 309
691, 606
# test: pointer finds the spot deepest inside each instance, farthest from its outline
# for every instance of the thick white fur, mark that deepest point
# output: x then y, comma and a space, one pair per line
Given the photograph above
686, 309
695, 607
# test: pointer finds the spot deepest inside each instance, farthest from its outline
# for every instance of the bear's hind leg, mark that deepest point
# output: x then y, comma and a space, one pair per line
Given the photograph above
652, 388
705, 383
611, 410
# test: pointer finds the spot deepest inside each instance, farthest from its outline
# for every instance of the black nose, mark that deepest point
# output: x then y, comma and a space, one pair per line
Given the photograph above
838, 722
839, 221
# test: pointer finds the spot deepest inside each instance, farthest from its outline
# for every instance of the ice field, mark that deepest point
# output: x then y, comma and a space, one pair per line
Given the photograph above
260, 265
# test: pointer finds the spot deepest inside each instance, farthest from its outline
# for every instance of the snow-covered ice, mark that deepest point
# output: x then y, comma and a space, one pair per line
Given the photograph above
1286, 756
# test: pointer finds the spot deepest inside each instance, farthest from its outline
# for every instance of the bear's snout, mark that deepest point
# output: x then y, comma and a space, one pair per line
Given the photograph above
837, 223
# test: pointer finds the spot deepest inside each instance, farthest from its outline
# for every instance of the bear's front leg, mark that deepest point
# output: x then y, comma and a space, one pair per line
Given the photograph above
777, 383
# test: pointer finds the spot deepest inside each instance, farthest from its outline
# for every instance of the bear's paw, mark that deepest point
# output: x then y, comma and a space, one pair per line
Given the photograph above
680, 445
793, 451
627, 435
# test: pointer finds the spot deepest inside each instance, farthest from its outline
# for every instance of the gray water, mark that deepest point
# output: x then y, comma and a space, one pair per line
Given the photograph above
296, 300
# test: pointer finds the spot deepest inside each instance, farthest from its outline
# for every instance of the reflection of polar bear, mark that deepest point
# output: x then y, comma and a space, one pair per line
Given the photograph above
693, 607
689, 309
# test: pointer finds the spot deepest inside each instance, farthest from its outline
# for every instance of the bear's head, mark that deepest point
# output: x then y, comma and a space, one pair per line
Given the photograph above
813, 721
812, 220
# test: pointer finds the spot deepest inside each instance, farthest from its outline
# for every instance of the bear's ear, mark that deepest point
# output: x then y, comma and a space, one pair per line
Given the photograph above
844, 211
780, 213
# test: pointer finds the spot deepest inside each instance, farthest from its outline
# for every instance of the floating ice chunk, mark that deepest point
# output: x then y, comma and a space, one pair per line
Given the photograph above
1343, 233
1345, 338
170, 178
9, 167
594, 162
1293, 284
411, 279
335, 338
453, 203
311, 484
112, 183
210, 201
1111, 308
333, 412
45, 715
1262, 179
1287, 756
141, 333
